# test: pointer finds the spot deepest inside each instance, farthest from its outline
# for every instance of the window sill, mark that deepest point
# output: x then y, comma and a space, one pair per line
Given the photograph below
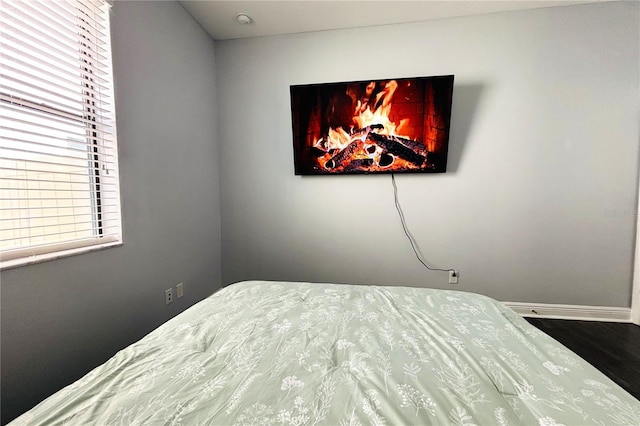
45, 257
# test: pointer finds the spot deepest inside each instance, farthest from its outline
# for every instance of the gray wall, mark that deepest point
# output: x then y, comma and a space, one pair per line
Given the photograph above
62, 318
538, 201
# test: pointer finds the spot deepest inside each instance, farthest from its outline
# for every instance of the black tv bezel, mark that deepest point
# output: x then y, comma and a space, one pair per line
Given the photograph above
305, 170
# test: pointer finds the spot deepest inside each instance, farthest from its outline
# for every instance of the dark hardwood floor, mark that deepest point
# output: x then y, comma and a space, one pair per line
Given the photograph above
613, 348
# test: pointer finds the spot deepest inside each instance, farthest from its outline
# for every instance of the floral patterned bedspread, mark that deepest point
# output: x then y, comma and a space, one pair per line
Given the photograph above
267, 353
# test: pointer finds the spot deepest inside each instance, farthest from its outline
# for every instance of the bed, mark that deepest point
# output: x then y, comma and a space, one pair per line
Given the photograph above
283, 353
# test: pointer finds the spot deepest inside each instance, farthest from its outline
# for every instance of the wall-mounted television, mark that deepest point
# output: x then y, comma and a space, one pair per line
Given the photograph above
373, 126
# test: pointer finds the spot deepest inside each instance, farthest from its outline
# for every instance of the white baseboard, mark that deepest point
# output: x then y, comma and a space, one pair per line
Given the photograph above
573, 312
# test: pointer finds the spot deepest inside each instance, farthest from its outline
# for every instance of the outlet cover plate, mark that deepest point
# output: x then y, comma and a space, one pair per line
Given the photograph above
179, 290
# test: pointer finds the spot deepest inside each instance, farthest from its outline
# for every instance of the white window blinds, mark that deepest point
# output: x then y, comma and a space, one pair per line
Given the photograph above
58, 157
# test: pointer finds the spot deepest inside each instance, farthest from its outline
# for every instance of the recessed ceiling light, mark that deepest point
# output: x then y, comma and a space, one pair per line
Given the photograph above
244, 19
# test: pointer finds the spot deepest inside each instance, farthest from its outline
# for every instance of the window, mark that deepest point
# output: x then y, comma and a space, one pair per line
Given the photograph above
59, 190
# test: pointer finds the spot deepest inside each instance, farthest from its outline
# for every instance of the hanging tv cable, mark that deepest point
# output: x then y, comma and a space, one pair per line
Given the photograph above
414, 245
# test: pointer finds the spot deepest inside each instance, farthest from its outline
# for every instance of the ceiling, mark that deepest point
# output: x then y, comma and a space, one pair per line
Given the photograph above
269, 18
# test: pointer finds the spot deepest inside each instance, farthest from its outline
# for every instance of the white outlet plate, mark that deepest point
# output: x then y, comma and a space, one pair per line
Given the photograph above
453, 277
168, 296
179, 290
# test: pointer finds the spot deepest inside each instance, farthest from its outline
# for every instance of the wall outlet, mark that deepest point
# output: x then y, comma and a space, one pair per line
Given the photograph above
179, 290
453, 277
168, 296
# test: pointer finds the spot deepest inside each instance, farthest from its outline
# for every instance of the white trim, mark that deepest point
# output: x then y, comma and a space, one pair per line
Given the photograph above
635, 297
45, 257
573, 312
635, 288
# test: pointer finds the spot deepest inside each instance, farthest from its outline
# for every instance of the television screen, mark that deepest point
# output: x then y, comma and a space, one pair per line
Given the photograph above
380, 126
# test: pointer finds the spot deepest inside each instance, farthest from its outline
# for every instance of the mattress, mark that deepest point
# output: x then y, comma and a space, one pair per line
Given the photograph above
281, 353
